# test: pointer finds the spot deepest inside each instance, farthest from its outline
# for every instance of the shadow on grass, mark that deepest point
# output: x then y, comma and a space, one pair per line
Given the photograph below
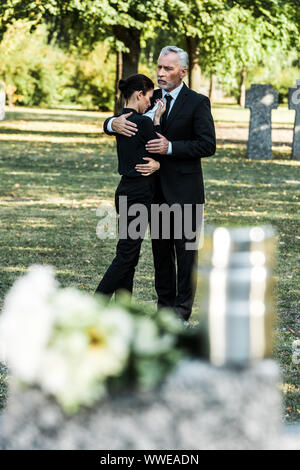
91, 135
51, 117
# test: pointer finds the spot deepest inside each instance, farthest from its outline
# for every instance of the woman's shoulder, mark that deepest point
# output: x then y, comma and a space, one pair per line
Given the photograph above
140, 120
146, 121
146, 125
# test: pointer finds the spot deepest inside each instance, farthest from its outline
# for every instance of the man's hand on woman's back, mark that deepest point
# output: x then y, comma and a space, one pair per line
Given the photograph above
121, 125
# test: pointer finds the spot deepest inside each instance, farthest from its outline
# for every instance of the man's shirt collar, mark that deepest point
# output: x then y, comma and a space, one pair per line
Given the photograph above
174, 93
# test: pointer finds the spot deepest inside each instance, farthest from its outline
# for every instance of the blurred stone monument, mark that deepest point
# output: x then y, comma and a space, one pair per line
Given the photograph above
234, 301
2, 101
261, 99
197, 407
294, 103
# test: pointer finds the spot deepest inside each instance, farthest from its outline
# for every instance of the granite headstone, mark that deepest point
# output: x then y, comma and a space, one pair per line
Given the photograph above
197, 407
261, 99
2, 102
294, 103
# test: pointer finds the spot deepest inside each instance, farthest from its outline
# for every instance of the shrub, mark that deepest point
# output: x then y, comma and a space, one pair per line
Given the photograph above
36, 73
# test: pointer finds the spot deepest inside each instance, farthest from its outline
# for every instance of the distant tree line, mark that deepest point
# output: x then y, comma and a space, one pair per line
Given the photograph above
68, 50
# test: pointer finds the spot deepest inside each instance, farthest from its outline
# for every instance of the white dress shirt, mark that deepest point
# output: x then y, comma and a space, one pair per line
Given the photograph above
174, 93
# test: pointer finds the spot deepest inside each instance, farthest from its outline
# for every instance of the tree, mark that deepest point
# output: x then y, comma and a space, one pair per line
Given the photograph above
33, 72
87, 21
224, 37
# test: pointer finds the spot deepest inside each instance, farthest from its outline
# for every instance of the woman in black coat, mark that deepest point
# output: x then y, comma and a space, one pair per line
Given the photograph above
135, 187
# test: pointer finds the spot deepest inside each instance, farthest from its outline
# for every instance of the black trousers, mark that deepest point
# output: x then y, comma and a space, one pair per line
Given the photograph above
120, 274
176, 287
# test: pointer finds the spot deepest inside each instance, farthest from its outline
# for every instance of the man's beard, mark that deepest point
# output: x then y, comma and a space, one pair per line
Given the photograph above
169, 85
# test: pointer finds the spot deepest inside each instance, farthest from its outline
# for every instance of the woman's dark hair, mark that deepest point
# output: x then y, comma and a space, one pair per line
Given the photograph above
137, 82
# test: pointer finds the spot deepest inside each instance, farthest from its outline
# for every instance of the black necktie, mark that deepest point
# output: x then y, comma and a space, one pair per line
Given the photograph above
168, 99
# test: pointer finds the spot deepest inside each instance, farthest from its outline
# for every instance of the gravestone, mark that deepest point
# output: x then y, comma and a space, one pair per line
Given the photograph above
294, 103
261, 99
2, 102
197, 407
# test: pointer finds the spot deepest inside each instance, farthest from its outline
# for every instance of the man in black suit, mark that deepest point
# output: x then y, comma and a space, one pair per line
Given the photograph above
188, 134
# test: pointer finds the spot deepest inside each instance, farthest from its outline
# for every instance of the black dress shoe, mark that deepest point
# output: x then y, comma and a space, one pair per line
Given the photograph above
182, 313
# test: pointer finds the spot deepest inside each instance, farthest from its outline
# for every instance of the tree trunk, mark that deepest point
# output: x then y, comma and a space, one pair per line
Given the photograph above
212, 87
10, 91
119, 70
194, 65
128, 63
242, 98
131, 40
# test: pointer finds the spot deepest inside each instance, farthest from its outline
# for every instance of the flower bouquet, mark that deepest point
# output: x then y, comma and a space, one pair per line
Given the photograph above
78, 348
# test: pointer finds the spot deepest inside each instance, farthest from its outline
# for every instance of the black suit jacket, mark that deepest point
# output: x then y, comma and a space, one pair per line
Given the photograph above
190, 128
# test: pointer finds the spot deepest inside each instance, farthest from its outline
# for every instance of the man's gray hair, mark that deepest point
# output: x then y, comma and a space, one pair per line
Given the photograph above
182, 55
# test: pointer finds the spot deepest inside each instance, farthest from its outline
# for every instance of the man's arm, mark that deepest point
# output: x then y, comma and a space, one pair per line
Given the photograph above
203, 145
120, 125
148, 131
204, 129
107, 126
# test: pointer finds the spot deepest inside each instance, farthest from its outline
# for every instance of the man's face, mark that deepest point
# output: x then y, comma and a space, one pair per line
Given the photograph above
169, 72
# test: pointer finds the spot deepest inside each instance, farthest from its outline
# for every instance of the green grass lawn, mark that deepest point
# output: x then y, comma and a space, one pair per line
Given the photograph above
56, 167
234, 113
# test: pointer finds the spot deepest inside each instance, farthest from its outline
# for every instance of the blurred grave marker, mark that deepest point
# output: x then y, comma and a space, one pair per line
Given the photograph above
233, 300
261, 99
2, 101
294, 103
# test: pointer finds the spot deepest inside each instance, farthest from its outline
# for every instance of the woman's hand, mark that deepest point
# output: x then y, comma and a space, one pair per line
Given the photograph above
160, 110
147, 169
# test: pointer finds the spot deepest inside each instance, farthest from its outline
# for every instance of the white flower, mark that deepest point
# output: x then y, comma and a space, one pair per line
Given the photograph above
296, 357
296, 352
53, 375
84, 353
67, 341
74, 308
110, 341
27, 319
147, 340
105, 332
296, 345
72, 383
